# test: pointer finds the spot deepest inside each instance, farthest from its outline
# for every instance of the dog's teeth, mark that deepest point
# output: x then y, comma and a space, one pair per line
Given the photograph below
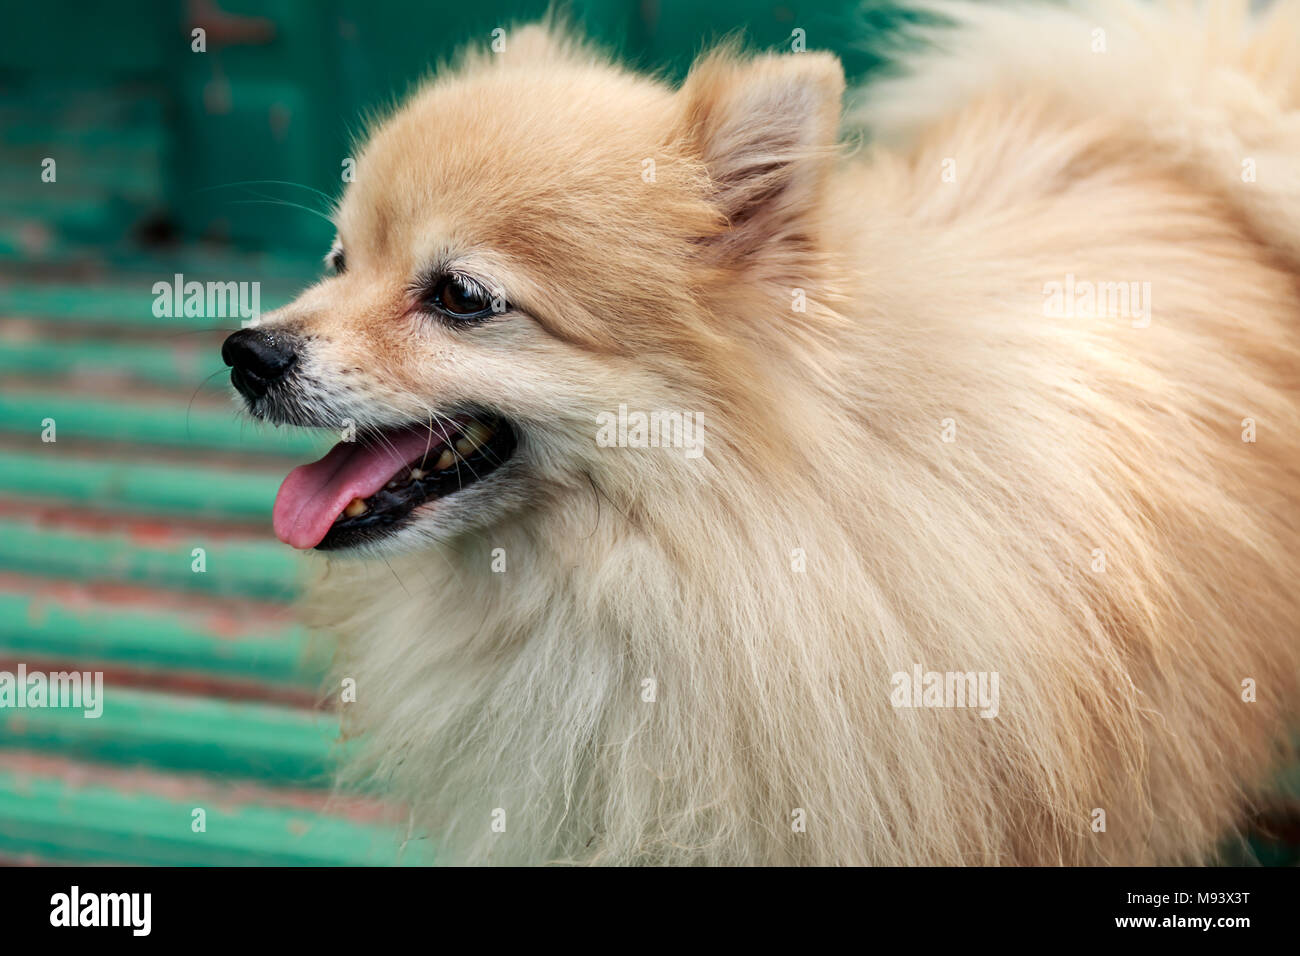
475, 436
393, 484
355, 508
418, 473
444, 461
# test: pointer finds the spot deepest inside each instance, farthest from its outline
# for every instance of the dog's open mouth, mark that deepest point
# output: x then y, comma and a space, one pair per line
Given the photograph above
365, 489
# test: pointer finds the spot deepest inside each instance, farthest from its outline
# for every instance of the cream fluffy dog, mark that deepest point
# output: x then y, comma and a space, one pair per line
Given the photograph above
1011, 392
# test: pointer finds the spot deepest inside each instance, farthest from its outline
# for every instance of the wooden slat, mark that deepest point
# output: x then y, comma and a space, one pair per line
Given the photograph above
51, 819
141, 486
113, 304
179, 733
260, 569
100, 634
151, 423
182, 368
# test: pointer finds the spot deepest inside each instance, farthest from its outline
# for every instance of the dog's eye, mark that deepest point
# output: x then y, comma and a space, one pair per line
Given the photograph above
336, 261
461, 298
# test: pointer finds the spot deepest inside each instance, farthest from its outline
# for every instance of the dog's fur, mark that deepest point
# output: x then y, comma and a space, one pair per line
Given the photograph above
1121, 684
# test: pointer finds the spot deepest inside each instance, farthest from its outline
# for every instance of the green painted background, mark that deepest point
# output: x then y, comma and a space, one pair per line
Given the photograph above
282, 87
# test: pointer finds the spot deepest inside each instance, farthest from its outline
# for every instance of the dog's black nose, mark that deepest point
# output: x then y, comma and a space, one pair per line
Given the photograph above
257, 359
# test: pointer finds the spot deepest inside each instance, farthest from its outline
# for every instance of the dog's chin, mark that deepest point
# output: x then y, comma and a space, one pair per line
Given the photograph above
397, 488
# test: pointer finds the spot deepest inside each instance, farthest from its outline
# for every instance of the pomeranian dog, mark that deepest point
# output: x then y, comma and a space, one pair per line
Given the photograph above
716, 490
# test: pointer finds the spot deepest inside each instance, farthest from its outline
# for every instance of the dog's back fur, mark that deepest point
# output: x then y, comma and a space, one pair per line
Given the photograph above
1098, 533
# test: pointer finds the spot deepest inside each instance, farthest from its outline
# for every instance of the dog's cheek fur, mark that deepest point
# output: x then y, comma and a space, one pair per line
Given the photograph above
522, 691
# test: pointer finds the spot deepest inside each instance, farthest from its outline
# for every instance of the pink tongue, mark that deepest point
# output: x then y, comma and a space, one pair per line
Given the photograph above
314, 495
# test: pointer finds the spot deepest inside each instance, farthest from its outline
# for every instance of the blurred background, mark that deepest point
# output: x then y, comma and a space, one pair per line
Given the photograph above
138, 543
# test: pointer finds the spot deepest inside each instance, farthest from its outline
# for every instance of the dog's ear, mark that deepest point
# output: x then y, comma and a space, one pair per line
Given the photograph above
765, 129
